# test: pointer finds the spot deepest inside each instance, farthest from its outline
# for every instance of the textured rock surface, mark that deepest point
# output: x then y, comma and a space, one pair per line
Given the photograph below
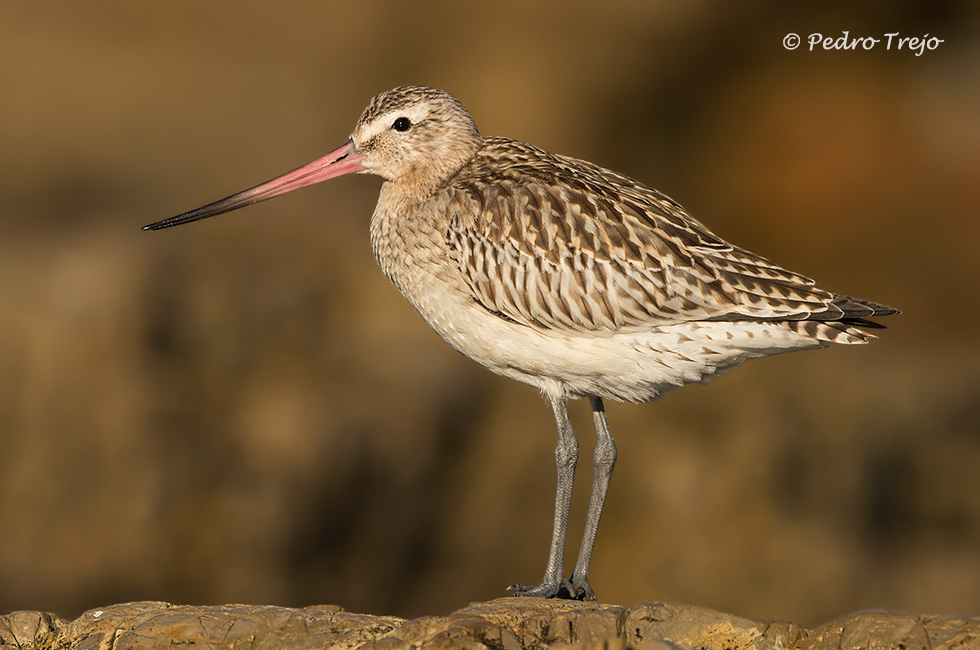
504, 624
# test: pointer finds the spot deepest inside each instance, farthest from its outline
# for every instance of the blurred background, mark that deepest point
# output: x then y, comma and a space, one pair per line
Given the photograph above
244, 410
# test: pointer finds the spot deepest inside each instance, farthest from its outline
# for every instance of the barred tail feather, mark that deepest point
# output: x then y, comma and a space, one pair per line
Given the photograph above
842, 331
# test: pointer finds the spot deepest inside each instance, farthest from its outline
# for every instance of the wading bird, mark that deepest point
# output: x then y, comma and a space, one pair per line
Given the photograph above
563, 275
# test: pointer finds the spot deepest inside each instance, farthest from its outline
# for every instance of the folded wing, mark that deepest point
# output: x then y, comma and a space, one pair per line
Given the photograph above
558, 243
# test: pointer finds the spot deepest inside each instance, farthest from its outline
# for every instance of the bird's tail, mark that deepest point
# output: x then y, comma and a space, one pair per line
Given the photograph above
842, 320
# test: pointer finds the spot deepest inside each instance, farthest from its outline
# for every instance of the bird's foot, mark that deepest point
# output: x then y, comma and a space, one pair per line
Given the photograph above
565, 589
548, 589
581, 588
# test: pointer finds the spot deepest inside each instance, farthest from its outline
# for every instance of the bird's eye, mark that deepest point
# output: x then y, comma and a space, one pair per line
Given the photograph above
402, 124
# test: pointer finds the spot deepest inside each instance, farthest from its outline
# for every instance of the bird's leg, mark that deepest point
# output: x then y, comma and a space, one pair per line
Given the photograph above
566, 456
603, 461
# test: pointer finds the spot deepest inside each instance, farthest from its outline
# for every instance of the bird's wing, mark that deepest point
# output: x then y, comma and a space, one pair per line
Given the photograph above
563, 244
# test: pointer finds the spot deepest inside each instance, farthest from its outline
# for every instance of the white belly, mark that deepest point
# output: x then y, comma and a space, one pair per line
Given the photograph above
634, 366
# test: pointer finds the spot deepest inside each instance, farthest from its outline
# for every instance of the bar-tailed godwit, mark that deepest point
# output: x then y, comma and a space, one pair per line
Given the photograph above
563, 275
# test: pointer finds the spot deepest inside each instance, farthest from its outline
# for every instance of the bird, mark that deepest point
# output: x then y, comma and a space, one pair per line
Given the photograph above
569, 277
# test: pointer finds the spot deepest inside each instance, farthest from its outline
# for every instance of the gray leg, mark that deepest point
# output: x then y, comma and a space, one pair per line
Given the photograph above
566, 456
603, 462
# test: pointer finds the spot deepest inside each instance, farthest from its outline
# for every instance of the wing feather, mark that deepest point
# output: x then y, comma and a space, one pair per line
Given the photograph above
559, 243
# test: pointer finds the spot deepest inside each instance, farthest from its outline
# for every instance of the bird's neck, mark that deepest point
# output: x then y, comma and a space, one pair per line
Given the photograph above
407, 234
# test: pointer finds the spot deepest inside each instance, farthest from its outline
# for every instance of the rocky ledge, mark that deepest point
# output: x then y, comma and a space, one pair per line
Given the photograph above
504, 624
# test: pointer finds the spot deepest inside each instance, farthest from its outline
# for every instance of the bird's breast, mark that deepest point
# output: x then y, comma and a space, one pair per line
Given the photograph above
409, 241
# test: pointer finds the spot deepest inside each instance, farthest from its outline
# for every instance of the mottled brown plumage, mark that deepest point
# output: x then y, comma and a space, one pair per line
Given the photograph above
563, 275
553, 242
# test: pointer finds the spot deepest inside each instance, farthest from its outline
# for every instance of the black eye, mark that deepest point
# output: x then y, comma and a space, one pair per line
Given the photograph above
402, 124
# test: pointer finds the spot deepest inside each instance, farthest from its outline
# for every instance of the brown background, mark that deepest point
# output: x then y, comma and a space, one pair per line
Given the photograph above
244, 410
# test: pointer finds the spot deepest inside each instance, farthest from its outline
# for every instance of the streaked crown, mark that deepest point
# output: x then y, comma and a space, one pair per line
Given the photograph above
416, 135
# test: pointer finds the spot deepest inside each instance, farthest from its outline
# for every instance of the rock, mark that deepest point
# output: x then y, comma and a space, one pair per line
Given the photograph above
885, 630
30, 630
504, 624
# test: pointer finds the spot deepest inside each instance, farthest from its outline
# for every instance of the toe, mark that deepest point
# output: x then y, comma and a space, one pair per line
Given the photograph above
561, 589
580, 589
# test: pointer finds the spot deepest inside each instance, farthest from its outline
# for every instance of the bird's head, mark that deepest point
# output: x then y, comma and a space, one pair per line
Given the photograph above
411, 135
415, 135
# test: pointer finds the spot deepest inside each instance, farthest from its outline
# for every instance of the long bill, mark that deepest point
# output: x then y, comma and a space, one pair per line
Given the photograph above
345, 160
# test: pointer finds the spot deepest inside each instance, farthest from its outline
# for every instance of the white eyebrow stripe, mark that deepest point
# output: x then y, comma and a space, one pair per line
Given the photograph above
415, 114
